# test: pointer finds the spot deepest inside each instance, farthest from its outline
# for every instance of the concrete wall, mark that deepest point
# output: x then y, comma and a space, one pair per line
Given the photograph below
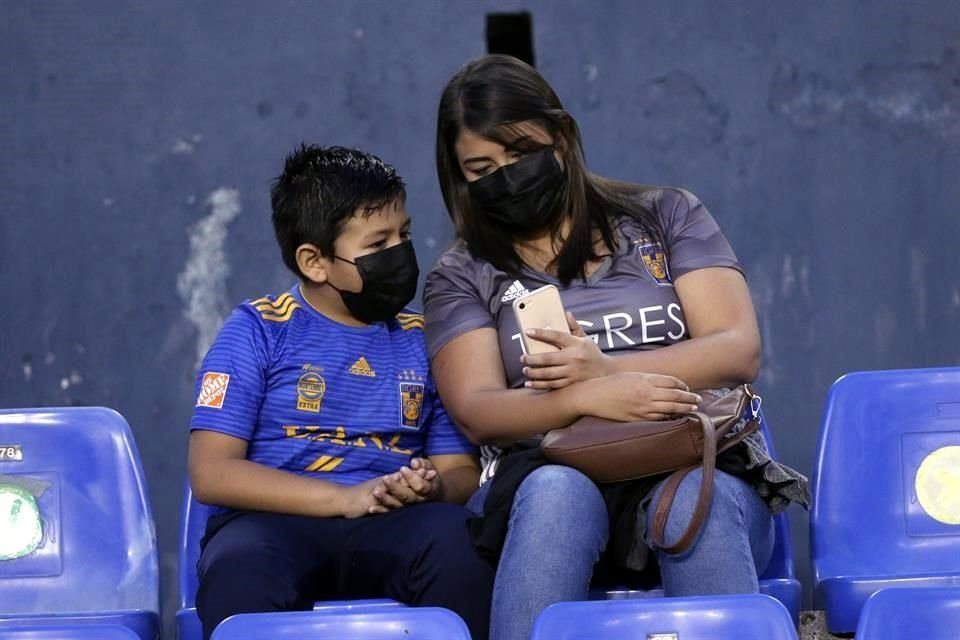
138, 143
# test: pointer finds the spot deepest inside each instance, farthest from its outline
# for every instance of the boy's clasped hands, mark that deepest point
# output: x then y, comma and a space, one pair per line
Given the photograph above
418, 482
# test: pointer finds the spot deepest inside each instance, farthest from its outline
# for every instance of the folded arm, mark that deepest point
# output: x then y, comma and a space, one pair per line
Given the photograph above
473, 387
723, 348
724, 345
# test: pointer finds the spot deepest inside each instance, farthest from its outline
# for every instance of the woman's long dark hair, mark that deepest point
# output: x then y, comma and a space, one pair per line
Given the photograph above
490, 96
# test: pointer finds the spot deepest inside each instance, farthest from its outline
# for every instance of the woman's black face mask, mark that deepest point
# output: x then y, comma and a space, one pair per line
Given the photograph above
525, 196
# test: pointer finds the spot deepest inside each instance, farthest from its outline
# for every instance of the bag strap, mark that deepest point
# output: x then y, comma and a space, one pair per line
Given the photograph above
751, 427
710, 452
703, 499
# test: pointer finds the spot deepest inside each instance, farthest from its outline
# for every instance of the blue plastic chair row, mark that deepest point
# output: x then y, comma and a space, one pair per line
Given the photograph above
743, 617
86, 457
928, 613
886, 513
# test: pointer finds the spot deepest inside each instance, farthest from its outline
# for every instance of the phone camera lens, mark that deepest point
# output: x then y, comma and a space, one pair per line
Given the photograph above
523, 305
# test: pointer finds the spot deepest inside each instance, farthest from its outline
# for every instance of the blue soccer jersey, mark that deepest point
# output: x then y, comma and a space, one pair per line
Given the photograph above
318, 398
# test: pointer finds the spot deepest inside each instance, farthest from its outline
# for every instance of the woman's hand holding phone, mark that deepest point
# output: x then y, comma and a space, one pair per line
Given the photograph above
555, 359
577, 358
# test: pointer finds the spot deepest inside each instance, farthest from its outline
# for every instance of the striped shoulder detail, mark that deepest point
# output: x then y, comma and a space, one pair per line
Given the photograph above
276, 310
410, 321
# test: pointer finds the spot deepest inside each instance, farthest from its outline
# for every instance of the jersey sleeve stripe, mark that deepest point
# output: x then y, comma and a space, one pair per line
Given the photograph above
273, 317
276, 305
407, 325
277, 310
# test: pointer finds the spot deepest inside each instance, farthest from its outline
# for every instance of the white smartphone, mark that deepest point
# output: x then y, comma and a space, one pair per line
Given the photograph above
540, 309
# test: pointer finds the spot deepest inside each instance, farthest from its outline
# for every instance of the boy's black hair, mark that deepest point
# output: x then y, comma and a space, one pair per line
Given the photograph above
320, 189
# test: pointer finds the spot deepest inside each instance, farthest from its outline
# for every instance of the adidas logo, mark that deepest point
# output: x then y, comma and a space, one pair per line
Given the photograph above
362, 368
515, 291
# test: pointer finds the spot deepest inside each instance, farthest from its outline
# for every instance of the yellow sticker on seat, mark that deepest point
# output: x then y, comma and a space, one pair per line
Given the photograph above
938, 485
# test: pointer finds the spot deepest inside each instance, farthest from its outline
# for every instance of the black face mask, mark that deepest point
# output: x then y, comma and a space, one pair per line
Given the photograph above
524, 196
389, 282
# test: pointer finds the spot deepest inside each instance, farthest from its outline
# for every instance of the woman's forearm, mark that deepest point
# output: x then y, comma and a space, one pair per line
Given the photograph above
513, 414
722, 359
458, 484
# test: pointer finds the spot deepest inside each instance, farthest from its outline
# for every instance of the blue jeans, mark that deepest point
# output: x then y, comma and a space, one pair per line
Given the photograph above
559, 527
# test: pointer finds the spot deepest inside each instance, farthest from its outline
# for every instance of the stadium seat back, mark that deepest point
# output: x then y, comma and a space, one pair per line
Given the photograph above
931, 613
393, 623
72, 476
72, 632
742, 617
193, 520
886, 487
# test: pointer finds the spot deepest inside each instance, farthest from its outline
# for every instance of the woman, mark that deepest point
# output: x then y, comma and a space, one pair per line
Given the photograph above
657, 305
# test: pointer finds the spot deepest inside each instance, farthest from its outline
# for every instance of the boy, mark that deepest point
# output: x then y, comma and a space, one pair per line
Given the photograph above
317, 428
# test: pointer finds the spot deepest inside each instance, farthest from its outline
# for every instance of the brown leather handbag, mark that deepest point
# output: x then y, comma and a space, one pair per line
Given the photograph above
608, 451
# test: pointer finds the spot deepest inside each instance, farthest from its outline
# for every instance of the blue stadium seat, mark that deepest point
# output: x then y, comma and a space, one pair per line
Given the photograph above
73, 476
886, 488
742, 617
777, 580
931, 613
395, 623
193, 520
72, 632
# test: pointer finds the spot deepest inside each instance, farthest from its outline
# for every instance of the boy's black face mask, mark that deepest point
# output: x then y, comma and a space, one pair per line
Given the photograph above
522, 197
389, 282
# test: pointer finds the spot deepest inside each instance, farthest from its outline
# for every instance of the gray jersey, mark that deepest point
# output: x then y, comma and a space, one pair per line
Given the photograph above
627, 303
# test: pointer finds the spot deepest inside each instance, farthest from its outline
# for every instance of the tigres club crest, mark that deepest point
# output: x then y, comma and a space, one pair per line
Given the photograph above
654, 260
411, 398
411, 404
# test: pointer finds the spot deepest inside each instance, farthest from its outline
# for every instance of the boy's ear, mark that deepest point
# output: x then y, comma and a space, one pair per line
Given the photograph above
313, 265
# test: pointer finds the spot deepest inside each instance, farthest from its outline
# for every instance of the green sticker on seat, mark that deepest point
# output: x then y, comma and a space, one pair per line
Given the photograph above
21, 527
